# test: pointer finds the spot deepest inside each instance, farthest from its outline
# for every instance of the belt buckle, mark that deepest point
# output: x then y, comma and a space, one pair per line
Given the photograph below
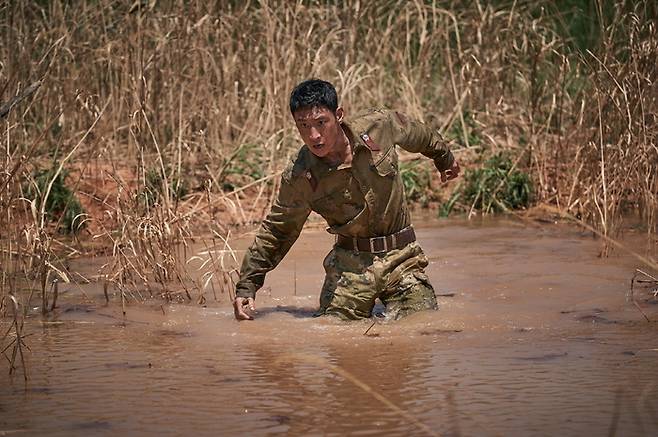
384, 244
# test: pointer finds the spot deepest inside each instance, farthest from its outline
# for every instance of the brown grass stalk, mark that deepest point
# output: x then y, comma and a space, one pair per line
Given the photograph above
198, 98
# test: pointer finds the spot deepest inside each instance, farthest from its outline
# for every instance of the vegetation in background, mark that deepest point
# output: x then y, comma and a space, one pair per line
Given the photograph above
465, 134
154, 187
245, 165
417, 182
497, 186
62, 205
573, 77
580, 22
568, 85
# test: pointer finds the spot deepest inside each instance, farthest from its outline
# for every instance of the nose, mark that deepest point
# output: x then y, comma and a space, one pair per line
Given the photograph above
314, 134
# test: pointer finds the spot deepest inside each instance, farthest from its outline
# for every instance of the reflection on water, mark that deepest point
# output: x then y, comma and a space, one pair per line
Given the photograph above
537, 339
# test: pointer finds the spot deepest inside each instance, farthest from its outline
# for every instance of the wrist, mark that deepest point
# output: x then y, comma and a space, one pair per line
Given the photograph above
444, 161
245, 294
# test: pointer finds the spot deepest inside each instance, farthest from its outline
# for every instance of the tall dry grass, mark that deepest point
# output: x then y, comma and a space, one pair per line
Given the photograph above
197, 93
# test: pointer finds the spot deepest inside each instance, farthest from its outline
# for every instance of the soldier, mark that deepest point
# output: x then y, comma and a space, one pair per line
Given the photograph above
347, 171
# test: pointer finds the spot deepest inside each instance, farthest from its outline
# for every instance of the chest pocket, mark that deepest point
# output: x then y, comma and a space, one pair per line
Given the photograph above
385, 163
332, 203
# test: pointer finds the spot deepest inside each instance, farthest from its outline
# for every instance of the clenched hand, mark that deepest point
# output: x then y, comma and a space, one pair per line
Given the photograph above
450, 173
244, 308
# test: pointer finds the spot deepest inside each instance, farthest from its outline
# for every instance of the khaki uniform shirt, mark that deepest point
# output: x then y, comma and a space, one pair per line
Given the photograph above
361, 199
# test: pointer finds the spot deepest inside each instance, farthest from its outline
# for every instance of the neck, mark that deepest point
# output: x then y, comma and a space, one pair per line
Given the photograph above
343, 153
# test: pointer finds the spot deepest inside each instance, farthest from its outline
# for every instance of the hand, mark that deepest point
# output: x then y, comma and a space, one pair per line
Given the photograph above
451, 173
244, 308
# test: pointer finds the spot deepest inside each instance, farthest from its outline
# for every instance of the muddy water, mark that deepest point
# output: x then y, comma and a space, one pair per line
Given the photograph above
535, 336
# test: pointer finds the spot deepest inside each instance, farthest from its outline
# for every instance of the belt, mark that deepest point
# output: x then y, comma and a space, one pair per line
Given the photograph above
377, 244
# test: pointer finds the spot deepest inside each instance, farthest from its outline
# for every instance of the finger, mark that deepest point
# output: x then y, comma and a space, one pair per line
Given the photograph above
241, 314
248, 307
456, 169
443, 177
239, 309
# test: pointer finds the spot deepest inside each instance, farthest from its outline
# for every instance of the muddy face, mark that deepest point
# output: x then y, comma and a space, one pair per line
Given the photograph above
533, 336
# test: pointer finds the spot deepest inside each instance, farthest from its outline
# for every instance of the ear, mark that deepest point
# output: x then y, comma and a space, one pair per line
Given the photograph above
340, 113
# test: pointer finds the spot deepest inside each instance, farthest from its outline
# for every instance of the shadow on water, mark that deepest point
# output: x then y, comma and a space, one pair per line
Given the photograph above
94, 425
295, 311
299, 312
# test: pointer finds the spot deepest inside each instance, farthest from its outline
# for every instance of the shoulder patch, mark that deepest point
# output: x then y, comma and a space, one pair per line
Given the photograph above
372, 145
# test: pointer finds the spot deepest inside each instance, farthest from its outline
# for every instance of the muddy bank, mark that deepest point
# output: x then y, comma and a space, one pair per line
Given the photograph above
535, 335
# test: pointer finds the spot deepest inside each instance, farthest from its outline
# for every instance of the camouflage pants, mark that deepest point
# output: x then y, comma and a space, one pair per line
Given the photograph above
355, 279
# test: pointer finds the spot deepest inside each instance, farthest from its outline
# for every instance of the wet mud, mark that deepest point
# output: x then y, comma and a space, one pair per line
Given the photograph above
535, 335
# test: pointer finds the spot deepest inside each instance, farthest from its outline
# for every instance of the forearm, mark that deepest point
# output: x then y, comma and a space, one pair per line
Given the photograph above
417, 137
274, 238
264, 254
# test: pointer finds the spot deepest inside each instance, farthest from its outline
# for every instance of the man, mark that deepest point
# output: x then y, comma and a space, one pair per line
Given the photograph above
347, 171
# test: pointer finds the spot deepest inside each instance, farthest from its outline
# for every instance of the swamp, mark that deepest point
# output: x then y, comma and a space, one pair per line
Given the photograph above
143, 144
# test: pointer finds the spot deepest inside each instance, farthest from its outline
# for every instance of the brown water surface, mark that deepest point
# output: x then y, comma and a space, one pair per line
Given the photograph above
534, 336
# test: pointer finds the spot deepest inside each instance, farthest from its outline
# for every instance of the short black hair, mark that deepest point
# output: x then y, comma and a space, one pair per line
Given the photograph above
313, 93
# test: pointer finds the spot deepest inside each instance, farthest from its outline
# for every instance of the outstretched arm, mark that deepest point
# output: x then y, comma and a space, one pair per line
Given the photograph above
414, 136
274, 238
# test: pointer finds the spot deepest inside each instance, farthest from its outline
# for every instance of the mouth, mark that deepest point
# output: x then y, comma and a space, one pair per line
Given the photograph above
318, 146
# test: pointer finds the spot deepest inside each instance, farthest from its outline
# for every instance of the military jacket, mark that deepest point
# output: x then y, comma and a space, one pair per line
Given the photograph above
362, 199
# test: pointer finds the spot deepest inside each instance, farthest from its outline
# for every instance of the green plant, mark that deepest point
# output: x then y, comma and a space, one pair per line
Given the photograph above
154, 187
447, 207
457, 134
497, 186
62, 204
416, 181
244, 165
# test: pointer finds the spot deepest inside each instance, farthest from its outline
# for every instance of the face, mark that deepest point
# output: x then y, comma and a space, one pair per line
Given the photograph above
320, 130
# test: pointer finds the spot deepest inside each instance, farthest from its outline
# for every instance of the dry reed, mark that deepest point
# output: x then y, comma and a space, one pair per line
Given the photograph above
196, 94
17, 343
188, 89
